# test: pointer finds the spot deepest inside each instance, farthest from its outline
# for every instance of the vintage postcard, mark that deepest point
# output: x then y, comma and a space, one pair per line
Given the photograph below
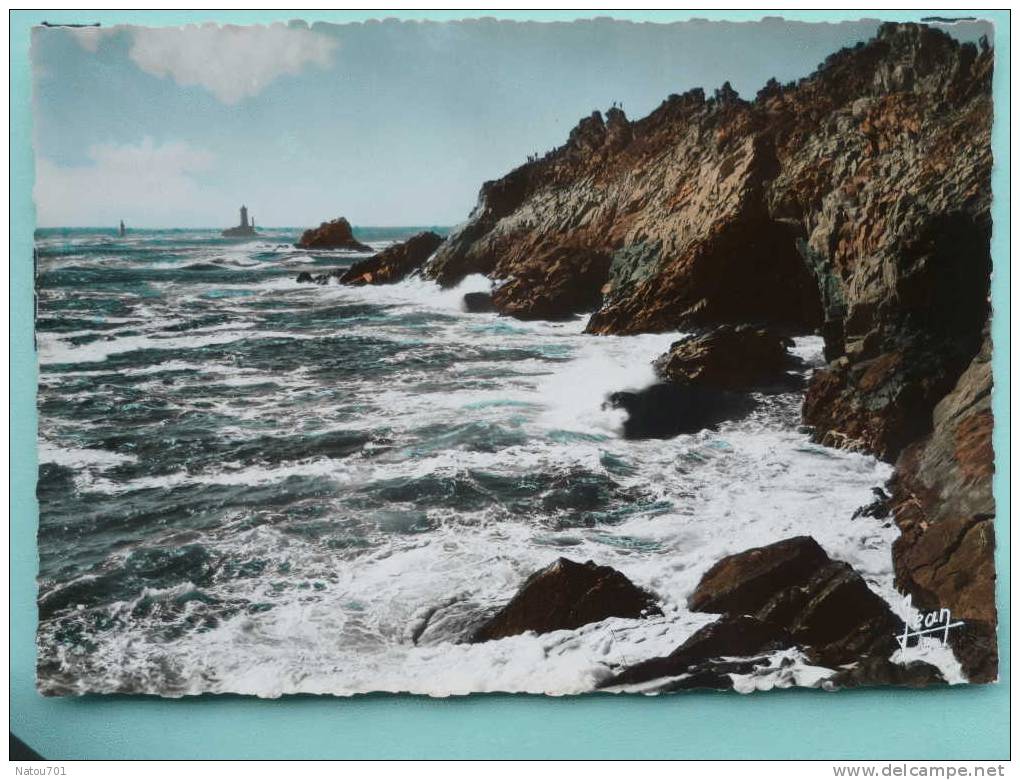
549, 357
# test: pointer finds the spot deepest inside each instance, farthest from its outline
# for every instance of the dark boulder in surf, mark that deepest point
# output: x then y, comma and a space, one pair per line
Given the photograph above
307, 278
478, 302
665, 410
782, 596
743, 582
835, 616
394, 263
824, 604
731, 357
568, 595
336, 234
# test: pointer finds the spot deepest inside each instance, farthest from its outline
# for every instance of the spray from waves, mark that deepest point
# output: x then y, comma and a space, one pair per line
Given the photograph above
257, 486
413, 291
575, 397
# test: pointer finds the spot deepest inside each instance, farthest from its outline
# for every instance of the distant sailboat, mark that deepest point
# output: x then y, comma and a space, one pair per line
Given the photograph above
123, 230
244, 229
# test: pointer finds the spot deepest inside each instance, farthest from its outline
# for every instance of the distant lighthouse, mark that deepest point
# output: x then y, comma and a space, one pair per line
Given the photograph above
244, 229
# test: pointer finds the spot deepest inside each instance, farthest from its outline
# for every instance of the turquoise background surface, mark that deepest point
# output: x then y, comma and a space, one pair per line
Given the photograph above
958, 723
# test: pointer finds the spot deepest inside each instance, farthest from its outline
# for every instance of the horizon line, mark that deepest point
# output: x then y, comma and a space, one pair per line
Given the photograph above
218, 227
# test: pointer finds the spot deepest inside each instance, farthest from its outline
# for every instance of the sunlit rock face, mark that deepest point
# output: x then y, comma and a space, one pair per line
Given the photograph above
856, 202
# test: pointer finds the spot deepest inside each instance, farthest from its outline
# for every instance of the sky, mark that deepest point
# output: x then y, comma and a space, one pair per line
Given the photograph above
385, 123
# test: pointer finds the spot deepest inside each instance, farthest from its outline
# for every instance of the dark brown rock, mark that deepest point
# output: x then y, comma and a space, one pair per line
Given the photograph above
881, 404
743, 583
879, 670
900, 245
730, 357
835, 614
858, 192
740, 636
478, 302
567, 595
943, 504
664, 410
856, 201
554, 283
788, 594
336, 234
394, 263
823, 604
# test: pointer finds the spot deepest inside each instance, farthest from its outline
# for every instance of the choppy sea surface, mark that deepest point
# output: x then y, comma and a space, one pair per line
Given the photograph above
256, 486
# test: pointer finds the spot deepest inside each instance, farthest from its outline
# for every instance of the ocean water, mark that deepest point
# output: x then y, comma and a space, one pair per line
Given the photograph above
256, 486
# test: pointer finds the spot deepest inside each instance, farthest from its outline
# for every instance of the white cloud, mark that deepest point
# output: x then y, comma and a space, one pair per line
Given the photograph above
142, 183
231, 62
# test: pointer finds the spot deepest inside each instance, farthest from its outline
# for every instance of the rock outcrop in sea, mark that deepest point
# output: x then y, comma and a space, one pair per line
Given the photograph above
335, 234
855, 201
389, 266
393, 263
567, 595
731, 357
786, 596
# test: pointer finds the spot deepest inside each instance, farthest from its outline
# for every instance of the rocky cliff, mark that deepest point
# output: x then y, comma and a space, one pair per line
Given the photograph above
855, 201
391, 265
942, 492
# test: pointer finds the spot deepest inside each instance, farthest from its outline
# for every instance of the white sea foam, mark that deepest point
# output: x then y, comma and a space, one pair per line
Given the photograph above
57, 351
341, 618
414, 291
80, 457
575, 396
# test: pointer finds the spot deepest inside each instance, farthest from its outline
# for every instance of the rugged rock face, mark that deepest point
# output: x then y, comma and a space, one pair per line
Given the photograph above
336, 234
892, 200
395, 262
391, 265
742, 583
555, 283
785, 595
836, 615
868, 177
856, 200
663, 219
823, 604
568, 595
730, 357
942, 493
